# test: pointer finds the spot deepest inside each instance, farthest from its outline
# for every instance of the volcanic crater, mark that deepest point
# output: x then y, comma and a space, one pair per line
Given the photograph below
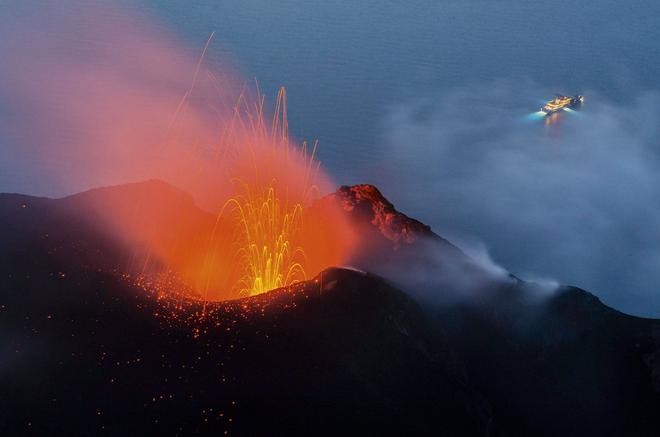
347, 349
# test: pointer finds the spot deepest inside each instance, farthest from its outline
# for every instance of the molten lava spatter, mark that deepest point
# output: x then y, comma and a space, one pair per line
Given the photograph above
264, 235
270, 248
262, 238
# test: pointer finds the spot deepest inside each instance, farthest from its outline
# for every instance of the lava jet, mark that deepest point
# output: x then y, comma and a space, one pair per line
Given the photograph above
88, 352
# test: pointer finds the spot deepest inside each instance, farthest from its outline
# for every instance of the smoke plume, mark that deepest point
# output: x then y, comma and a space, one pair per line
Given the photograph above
103, 96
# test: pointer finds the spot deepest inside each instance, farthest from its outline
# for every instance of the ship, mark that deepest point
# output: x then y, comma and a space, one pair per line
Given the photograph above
561, 102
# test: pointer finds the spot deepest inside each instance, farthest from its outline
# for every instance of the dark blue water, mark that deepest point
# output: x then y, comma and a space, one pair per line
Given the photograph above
345, 62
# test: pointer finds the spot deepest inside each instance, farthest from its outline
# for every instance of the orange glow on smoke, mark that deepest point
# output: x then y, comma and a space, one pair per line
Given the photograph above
133, 105
264, 235
271, 231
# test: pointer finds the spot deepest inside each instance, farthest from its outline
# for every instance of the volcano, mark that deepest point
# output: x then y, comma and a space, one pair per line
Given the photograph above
415, 338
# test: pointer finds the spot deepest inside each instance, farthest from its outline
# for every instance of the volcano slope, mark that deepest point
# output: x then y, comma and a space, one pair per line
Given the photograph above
87, 352
549, 362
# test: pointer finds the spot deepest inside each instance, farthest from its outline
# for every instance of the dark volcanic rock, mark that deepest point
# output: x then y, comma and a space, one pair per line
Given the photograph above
364, 203
408, 253
568, 365
84, 352
549, 362
343, 353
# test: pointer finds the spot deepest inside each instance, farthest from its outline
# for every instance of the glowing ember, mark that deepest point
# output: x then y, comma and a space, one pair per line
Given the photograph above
270, 252
236, 214
270, 233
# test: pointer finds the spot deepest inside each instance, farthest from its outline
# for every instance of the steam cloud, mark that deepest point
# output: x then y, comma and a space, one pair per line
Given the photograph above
97, 96
92, 96
576, 200
92, 92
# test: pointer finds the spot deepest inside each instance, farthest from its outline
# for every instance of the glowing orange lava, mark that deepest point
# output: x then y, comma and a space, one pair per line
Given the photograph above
269, 249
270, 232
230, 208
